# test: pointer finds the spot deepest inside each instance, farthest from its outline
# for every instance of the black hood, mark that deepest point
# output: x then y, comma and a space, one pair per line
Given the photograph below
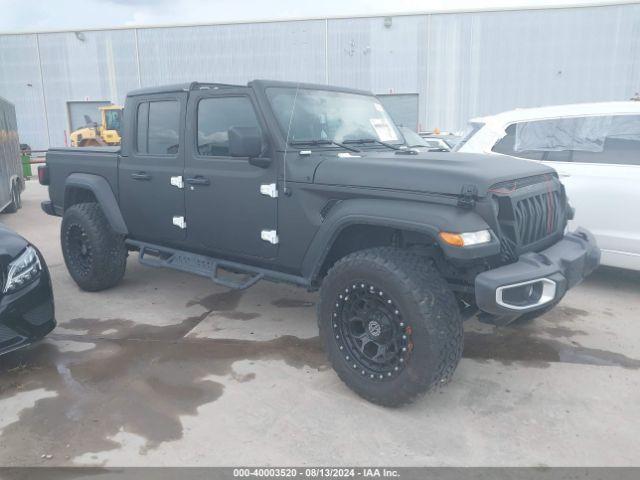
11, 244
432, 172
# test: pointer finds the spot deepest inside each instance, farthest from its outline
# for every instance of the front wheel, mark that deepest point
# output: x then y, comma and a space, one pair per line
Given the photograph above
390, 325
95, 255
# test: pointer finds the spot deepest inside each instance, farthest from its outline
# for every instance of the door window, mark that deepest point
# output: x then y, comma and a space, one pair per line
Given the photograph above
216, 116
612, 139
158, 127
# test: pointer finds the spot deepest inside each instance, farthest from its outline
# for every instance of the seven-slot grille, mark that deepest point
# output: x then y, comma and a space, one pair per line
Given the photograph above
537, 216
529, 214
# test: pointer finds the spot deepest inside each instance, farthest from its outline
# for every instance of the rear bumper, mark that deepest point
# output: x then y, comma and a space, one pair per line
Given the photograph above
27, 315
547, 275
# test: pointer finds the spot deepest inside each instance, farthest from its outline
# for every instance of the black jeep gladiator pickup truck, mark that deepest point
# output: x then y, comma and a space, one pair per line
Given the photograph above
314, 185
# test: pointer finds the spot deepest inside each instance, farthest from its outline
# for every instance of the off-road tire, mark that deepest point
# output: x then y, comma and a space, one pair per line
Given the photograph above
16, 201
423, 301
104, 263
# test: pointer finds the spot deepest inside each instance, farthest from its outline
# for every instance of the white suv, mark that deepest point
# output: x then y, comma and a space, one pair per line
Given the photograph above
595, 148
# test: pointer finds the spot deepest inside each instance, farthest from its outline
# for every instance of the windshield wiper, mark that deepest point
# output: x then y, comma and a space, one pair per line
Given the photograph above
361, 141
324, 142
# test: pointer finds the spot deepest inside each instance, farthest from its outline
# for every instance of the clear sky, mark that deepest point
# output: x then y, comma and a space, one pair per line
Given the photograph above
37, 15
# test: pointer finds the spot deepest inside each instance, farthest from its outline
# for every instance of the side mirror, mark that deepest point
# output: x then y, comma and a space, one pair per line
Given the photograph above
247, 142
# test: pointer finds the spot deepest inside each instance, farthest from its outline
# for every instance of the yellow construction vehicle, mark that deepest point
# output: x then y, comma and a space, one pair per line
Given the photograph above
107, 133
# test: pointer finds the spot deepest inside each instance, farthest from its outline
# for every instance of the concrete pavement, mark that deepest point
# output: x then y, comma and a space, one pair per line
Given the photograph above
169, 369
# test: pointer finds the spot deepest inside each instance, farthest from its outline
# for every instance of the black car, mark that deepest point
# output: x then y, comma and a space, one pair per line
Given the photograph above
315, 186
26, 297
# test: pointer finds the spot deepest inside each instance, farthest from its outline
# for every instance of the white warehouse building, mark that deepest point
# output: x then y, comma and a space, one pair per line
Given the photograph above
434, 69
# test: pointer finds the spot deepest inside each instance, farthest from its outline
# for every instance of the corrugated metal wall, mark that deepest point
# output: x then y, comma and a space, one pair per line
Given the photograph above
485, 63
461, 65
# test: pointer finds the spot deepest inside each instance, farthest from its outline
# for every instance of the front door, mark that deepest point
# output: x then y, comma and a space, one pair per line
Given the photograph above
151, 202
231, 205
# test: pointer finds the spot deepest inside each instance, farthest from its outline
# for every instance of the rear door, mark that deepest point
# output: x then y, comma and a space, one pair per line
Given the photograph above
151, 199
226, 211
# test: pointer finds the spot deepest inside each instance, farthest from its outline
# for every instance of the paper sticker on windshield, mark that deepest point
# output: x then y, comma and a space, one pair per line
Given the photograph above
383, 129
378, 107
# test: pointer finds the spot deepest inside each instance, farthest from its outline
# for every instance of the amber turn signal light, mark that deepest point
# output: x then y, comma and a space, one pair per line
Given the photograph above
466, 239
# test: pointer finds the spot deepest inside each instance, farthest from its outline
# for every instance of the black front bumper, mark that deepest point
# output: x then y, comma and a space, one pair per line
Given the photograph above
561, 266
27, 315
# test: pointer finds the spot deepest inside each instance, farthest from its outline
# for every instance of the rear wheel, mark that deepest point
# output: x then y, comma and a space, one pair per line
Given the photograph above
95, 255
390, 325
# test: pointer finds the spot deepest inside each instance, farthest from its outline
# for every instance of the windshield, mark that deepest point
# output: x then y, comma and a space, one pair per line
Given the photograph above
331, 116
469, 132
113, 119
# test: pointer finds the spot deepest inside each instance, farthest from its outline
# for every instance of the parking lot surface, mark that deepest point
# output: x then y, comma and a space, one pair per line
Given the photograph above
168, 369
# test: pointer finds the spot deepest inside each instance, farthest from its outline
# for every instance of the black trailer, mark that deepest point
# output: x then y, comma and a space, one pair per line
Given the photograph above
11, 179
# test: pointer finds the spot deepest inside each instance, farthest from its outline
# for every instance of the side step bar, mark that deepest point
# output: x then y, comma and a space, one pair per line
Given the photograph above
156, 256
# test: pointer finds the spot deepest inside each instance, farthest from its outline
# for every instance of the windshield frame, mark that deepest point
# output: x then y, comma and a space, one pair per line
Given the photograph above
332, 143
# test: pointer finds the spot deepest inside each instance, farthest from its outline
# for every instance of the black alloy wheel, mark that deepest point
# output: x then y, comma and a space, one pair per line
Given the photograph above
371, 331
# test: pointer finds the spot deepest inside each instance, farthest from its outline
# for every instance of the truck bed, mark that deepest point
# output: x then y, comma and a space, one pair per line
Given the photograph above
62, 162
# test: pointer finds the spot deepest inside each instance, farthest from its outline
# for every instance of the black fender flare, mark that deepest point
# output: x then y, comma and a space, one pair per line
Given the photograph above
420, 217
104, 195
